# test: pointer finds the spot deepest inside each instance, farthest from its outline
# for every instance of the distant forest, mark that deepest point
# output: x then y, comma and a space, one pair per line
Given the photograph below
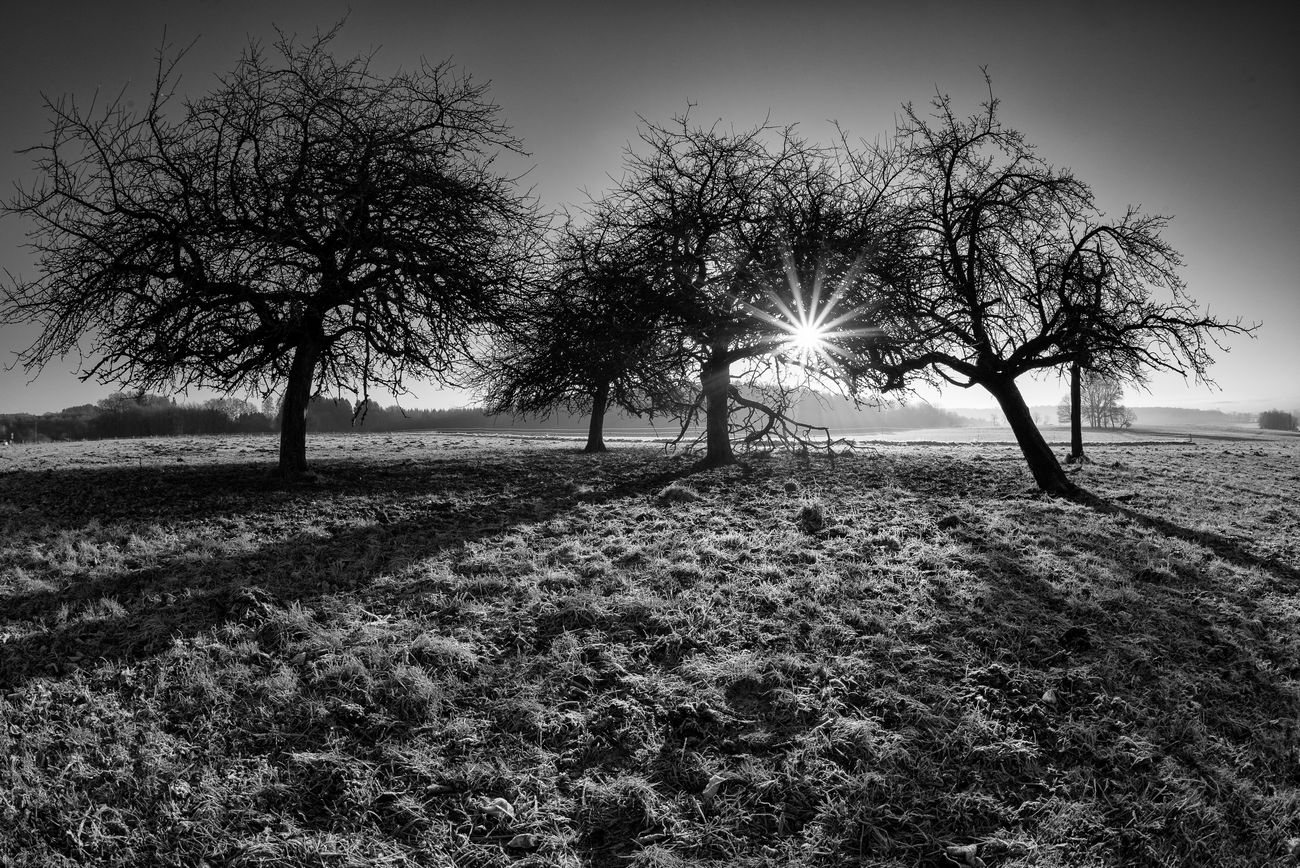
134, 415
1185, 416
125, 415
129, 415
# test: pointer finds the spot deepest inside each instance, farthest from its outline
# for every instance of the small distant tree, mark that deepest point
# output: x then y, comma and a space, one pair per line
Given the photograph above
1277, 420
231, 408
122, 402
1096, 396
271, 405
331, 414
308, 226
1103, 398
594, 337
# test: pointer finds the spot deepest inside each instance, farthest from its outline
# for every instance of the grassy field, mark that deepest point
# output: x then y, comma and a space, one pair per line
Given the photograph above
448, 651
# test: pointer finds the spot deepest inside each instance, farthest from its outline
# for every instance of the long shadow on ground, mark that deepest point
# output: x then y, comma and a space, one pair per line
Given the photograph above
257, 546
1053, 688
1152, 694
1229, 549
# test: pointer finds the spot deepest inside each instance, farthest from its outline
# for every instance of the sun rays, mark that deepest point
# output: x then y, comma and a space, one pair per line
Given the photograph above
810, 330
806, 339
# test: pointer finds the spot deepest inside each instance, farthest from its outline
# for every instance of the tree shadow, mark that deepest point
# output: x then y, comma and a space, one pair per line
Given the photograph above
1229, 549
40, 500
267, 540
1145, 674
262, 541
1132, 679
632, 486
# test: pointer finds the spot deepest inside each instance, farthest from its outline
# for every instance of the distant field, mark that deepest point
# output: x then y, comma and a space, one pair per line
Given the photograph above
1002, 434
444, 650
228, 448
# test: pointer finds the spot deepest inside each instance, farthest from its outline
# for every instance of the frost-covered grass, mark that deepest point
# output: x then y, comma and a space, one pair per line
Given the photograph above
441, 652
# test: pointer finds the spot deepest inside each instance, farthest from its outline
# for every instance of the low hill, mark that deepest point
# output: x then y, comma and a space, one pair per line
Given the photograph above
1163, 416
1185, 416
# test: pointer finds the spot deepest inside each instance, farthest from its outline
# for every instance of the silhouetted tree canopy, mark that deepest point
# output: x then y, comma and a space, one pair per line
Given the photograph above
309, 225
750, 239
1277, 420
595, 336
1011, 268
1101, 402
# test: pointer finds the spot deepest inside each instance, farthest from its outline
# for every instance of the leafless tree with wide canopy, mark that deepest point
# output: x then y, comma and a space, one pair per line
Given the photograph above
307, 225
763, 248
1011, 268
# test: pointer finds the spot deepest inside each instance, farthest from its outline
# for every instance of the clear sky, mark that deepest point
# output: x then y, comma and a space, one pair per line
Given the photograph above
1191, 110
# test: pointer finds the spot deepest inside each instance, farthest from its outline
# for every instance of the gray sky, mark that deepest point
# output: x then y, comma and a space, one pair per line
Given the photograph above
1184, 109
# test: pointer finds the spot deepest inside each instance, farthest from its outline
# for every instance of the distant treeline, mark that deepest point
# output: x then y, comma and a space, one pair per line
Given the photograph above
125, 415
128, 415
1173, 416
1186, 416
136, 416
1277, 420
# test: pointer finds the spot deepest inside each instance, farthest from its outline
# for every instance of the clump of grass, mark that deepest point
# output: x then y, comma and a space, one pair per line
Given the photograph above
103, 609
617, 812
656, 856
411, 693
811, 517
676, 492
447, 652
281, 629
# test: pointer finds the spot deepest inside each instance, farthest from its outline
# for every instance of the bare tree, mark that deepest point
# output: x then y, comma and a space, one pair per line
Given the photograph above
591, 338
308, 225
1103, 398
1012, 268
760, 246
1098, 397
231, 408
1277, 420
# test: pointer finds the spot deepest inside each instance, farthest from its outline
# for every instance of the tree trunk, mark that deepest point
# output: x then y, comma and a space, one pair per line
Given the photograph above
293, 414
1076, 415
595, 431
1042, 462
715, 379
